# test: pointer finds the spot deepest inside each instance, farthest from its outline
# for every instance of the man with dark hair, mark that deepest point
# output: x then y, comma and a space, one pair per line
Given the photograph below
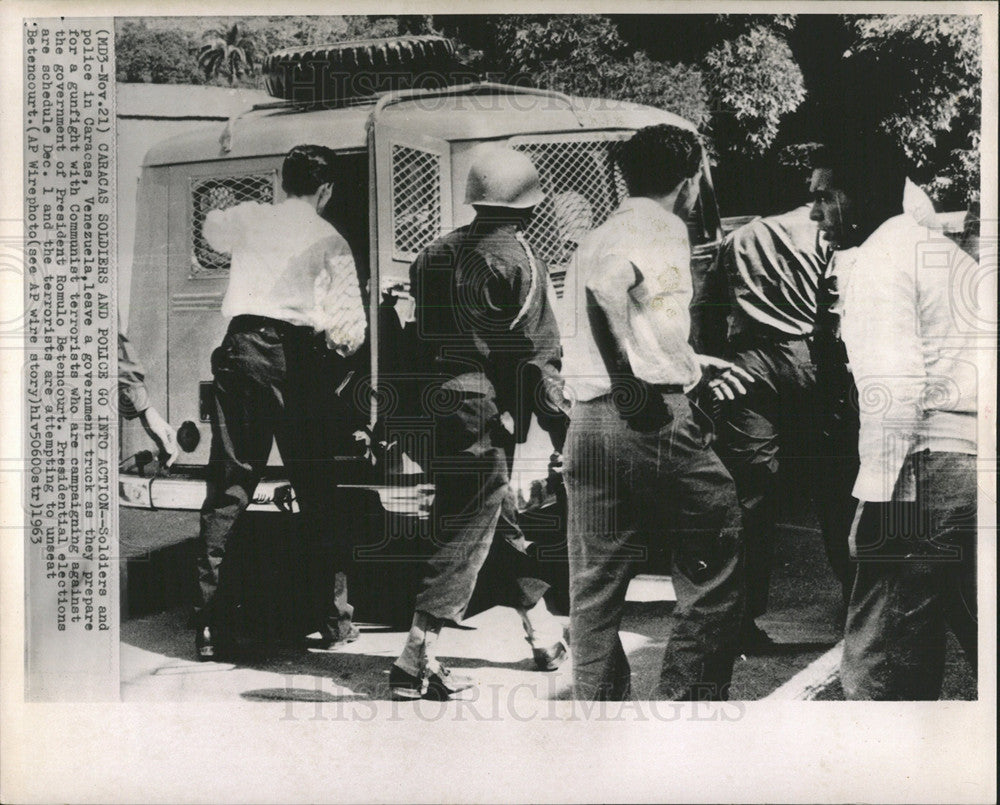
914, 364
639, 469
647, 172
772, 277
489, 339
274, 379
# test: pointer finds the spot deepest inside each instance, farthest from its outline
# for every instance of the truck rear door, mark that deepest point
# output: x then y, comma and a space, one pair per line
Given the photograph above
197, 281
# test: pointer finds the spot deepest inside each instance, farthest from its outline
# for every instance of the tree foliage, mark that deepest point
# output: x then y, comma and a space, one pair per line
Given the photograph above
157, 56
751, 83
230, 52
754, 83
922, 76
677, 88
580, 55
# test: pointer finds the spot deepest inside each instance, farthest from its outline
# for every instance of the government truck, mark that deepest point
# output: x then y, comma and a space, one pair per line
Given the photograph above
403, 118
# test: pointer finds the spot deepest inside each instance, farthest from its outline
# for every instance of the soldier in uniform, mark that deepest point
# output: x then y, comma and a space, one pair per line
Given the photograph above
488, 338
133, 401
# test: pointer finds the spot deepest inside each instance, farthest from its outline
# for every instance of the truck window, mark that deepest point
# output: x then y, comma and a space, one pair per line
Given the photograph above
582, 186
416, 200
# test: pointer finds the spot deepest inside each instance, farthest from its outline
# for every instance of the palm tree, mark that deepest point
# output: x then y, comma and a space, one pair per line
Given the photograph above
231, 52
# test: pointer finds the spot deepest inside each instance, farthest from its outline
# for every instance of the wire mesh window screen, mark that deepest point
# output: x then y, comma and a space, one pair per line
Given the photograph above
219, 193
582, 186
416, 200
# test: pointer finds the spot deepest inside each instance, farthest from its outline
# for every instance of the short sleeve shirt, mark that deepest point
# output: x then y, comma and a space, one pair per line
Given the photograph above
655, 242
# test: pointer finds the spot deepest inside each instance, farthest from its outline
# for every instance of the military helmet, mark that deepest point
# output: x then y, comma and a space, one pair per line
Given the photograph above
502, 177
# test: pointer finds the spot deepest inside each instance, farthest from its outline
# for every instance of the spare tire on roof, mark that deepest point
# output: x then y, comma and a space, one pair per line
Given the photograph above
344, 71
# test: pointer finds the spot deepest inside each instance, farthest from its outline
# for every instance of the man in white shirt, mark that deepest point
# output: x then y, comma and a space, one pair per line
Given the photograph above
914, 364
639, 469
295, 311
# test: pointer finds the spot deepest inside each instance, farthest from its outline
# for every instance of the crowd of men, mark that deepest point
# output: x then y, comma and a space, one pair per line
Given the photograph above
828, 303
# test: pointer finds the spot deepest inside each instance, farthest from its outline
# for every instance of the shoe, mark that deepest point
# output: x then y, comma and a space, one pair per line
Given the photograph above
754, 640
404, 685
439, 685
549, 659
327, 641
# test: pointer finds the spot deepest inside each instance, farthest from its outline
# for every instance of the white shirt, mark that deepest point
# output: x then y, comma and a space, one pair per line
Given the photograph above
916, 203
912, 353
655, 241
919, 205
290, 264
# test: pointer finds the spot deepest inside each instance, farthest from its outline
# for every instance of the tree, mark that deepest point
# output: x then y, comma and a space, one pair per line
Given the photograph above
676, 88
371, 27
580, 55
755, 82
230, 52
923, 83
159, 57
751, 83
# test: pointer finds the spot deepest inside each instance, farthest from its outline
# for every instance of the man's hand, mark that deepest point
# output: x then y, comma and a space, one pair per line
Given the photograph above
162, 432
725, 378
363, 444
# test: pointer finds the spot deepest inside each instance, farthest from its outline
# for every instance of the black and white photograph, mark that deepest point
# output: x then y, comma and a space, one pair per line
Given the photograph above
501, 401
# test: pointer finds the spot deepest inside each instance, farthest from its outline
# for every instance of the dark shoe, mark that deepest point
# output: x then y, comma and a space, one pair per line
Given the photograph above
443, 684
329, 641
439, 685
403, 685
754, 640
549, 659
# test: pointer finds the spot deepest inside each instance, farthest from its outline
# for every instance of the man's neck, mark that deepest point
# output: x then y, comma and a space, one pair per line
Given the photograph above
668, 201
310, 200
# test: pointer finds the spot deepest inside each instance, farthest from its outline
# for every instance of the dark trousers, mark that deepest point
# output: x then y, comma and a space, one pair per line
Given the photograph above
782, 420
630, 492
473, 504
274, 382
916, 572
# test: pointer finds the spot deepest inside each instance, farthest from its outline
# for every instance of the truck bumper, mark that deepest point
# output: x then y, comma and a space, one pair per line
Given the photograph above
188, 494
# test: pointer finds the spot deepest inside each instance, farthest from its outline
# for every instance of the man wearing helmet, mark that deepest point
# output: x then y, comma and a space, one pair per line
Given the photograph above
488, 337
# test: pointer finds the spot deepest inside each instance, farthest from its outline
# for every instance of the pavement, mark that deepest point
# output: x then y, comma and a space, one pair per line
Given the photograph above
157, 657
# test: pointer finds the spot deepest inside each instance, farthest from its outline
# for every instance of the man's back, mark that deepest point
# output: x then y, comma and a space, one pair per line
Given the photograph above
912, 354
277, 253
656, 243
483, 309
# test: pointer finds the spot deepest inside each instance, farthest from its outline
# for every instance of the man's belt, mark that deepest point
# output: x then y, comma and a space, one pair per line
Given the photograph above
248, 321
752, 337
